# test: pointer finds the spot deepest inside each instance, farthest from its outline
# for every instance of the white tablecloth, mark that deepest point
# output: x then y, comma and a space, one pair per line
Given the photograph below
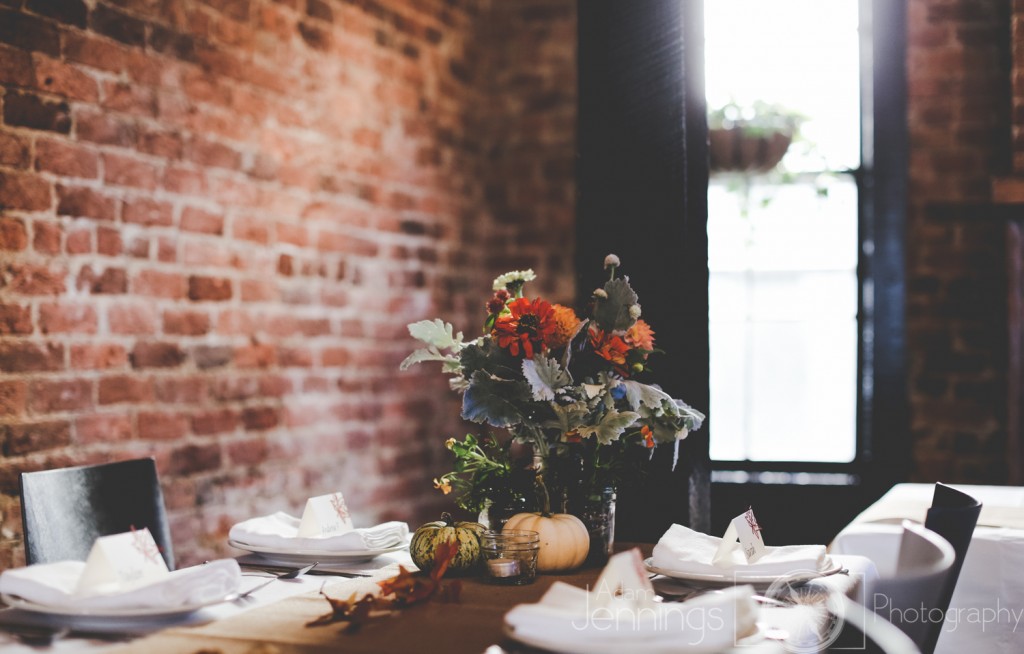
986, 613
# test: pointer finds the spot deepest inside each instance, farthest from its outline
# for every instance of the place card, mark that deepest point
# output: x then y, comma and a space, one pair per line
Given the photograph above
743, 527
326, 515
121, 560
624, 581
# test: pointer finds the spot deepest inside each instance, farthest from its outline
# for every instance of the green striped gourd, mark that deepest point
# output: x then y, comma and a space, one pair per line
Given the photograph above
429, 536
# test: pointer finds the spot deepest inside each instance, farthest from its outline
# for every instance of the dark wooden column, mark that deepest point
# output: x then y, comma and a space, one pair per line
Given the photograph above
642, 182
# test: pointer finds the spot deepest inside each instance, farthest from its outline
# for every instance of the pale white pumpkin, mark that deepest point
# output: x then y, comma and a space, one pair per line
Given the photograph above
564, 541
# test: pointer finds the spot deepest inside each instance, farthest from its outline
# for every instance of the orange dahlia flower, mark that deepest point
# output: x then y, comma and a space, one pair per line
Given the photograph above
527, 327
566, 323
610, 347
641, 335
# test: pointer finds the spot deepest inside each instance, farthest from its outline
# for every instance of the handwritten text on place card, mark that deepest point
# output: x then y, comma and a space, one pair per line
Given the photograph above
749, 533
326, 515
121, 560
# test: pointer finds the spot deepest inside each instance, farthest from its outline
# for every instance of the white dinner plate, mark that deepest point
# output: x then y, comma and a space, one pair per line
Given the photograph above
108, 618
300, 557
666, 645
733, 577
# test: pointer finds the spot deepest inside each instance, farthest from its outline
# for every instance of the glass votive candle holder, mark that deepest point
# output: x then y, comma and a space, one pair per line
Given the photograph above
510, 557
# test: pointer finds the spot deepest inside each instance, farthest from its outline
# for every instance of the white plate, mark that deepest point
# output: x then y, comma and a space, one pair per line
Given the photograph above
300, 557
734, 577
618, 646
108, 618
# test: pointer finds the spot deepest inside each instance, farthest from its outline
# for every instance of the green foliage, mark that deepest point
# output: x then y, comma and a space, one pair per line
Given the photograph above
612, 314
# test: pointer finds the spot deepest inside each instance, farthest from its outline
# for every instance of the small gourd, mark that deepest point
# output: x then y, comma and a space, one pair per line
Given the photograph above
564, 540
425, 540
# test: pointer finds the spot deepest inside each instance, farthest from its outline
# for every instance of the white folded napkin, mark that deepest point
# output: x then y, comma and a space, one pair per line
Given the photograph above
280, 531
621, 611
53, 584
684, 550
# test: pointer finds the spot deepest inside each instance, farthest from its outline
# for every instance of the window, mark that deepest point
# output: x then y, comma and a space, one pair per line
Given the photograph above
783, 246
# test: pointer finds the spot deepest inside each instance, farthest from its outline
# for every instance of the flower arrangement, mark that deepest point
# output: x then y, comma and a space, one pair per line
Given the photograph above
567, 387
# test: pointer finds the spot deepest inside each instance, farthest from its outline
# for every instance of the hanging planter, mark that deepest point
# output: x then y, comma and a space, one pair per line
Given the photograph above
750, 139
737, 149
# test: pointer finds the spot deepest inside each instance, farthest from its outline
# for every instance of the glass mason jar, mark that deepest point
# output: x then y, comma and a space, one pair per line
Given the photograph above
597, 512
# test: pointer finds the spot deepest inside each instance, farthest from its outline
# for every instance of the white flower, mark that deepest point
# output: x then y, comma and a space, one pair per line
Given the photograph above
519, 277
611, 260
634, 311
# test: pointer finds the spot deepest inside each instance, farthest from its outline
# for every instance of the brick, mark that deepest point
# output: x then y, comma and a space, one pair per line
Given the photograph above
23, 109
67, 318
15, 319
95, 52
260, 418
214, 154
132, 319
167, 249
186, 323
162, 426
22, 191
127, 98
104, 128
255, 355
21, 356
108, 241
204, 222
98, 356
69, 12
13, 235
103, 428
192, 459
125, 388
148, 212
216, 289
48, 236
15, 67
29, 32
14, 149
171, 43
251, 229
180, 390
319, 9
248, 452
67, 159
212, 356
215, 422
156, 355
13, 398
161, 143
82, 202
156, 283
60, 395
31, 279
129, 171
118, 25
56, 77
79, 240
112, 281
36, 437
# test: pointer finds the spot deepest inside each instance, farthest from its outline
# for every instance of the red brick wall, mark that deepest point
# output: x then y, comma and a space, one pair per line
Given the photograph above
958, 89
218, 217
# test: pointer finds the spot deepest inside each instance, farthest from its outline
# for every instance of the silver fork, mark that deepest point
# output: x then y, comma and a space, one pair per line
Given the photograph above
291, 574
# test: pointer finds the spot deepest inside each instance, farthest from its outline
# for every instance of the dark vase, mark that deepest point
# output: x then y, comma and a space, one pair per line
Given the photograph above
497, 512
597, 512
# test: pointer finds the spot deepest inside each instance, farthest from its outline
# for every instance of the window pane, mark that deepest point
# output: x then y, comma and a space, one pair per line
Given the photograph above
783, 298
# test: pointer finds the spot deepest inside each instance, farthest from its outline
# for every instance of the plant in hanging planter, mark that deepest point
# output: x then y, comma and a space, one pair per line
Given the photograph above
570, 389
754, 138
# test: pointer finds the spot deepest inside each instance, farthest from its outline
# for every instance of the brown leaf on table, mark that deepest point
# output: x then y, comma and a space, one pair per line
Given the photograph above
404, 589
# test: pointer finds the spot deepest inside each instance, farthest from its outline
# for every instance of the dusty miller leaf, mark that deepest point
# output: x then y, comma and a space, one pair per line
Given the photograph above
611, 426
545, 377
637, 394
437, 334
612, 314
491, 400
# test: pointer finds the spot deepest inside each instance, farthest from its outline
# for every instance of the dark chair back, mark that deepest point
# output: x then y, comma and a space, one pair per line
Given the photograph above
953, 515
64, 511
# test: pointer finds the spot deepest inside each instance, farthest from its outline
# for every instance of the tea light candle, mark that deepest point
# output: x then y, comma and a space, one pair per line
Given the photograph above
503, 567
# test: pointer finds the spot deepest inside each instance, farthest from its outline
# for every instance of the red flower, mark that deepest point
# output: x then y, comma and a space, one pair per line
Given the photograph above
611, 348
528, 326
648, 435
